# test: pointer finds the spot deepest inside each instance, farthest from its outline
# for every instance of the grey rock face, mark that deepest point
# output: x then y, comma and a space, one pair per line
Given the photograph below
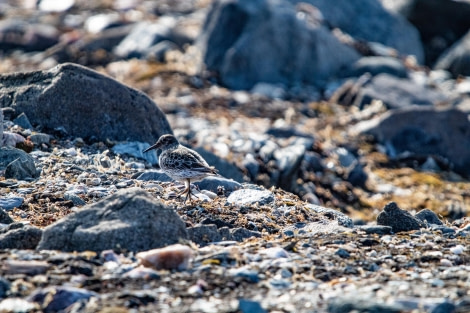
67, 96
424, 131
398, 219
21, 168
130, 219
19, 236
248, 42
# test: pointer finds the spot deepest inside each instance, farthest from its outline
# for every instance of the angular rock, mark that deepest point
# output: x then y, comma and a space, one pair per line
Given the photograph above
456, 59
23, 121
204, 234
400, 220
341, 218
428, 216
5, 218
4, 287
84, 102
248, 42
19, 236
21, 168
130, 219
10, 154
288, 162
397, 93
40, 138
240, 234
250, 197
58, 298
373, 23
424, 131
141, 41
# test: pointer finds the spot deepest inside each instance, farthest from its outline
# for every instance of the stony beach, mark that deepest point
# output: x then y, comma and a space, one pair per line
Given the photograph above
343, 154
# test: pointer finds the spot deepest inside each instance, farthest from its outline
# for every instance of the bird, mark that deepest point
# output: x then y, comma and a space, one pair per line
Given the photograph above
181, 163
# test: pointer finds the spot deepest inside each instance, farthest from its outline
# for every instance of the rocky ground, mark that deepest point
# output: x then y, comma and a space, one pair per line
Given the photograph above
333, 197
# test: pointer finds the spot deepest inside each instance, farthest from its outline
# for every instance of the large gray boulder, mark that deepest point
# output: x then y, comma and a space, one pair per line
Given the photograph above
248, 41
368, 20
86, 103
131, 219
424, 131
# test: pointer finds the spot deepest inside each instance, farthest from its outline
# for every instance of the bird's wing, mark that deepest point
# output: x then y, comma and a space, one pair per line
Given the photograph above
190, 160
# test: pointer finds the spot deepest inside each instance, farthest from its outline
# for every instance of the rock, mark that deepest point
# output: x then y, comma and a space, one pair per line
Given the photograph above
23, 121
424, 131
17, 305
1, 128
248, 42
141, 41
240, 234
428, 216
250, 306
16, 34
400, 220
358, 304
136, 149
67, 96
456, 59
288, 162
21, 168
58, 298
40, 138
376, 229
372, 23
397, 93
449, 22
375, 66
4, 287
19, 236
4, 217
204, 234
171, 257
10, 202
156, 175
25, 267
214, 183
331, 214
226, 169
130, 219
10, 154
250, 197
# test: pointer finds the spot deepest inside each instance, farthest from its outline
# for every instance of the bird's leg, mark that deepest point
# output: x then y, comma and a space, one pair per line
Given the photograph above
188, 188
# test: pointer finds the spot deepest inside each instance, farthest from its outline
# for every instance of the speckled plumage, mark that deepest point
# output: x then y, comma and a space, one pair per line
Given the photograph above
181, 163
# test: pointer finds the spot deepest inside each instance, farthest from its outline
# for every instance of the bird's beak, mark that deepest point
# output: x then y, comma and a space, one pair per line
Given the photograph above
155, 146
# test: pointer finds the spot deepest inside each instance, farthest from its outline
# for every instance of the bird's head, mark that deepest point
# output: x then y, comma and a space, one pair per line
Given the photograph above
164, 142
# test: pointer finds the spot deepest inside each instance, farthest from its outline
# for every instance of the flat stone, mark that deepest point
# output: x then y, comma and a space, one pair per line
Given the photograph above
250, 197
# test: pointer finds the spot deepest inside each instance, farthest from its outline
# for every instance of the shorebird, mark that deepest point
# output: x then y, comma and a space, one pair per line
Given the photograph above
181, 163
